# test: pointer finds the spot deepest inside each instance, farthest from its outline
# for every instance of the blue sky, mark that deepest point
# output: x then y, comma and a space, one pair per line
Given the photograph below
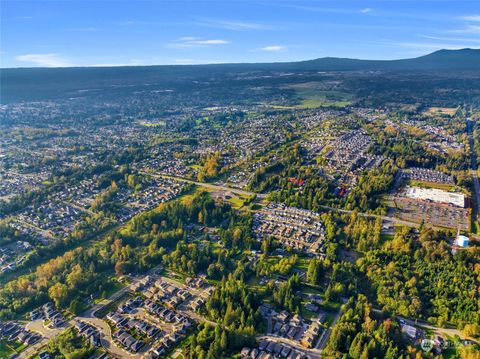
109, 33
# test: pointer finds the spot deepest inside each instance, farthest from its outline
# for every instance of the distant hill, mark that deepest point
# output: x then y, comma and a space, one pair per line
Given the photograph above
19, 84
464, 59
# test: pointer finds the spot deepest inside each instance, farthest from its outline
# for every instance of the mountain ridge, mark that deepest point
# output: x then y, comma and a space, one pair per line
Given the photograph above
18, 84
440, 59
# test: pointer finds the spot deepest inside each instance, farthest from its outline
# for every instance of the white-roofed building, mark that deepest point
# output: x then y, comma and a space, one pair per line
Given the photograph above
436, 195
462, 241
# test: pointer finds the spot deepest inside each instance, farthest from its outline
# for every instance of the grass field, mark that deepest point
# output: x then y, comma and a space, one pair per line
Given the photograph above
113, 305
317, 101
423, 184
5, 350
306, 313
386, 237
450, 111
253, 284
302, 264
316, 94
9, 348
237, 202
115, 287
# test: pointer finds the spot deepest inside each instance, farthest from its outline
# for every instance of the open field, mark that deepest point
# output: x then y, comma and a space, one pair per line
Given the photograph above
423, 184
315, 95
5, 350
9, 348
450, 111
113, 305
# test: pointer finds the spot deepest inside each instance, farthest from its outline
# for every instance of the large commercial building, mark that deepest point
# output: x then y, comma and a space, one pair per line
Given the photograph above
436, 195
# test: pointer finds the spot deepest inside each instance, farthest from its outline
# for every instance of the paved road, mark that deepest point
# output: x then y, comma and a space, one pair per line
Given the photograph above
88, 316
439, 330
387, 218
106, 338
323, 340
85, 210
248, 193
374, 216
473, 167
183, 308
197, 291
45, 233
208, 185
262, 196
312, 353
104, 328
391, 193
47, 334
445, 331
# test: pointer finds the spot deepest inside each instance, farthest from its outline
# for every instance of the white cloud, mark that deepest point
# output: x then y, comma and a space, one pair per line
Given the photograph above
191, 41
234, 25
46, 60
431, 46
187, 38
470, 29
209, 42
273, 48
366, 10
318, 9
471, 18
454, 39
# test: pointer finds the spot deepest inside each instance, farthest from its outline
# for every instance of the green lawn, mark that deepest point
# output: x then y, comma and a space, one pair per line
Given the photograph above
176, 276
5, 350
115, 286
113, 305
311, 290
310, 97
331, 306
253, 284
307, 313
237, 202
321, 102
423, 184
313, 95
9, 348
385, 237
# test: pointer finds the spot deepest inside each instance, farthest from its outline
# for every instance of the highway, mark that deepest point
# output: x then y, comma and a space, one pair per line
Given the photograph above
241, 192
116, 351
473, 167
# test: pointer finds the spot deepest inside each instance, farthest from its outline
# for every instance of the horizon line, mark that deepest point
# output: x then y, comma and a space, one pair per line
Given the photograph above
227, 63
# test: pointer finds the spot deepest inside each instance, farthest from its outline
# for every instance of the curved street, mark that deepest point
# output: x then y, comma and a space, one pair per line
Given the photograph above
311, 353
